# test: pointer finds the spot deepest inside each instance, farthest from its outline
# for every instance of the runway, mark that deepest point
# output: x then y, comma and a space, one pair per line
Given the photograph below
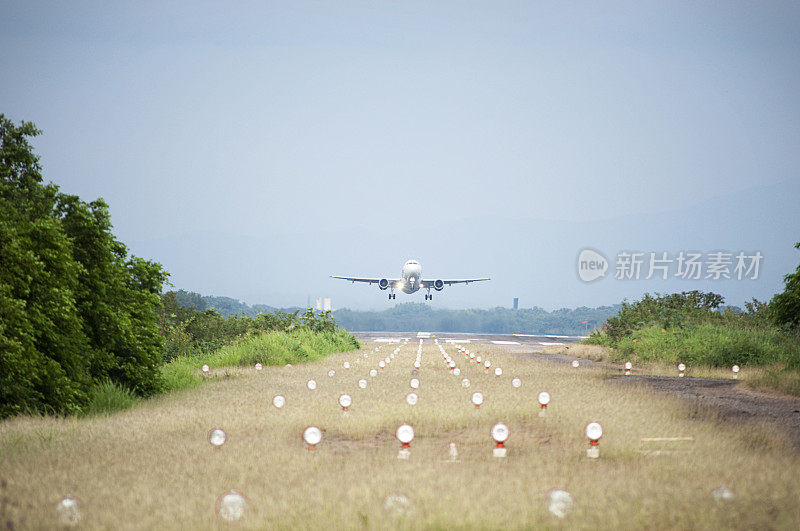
530, 342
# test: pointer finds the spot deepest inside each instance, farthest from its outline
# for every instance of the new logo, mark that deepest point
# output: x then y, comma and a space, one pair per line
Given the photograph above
591, 265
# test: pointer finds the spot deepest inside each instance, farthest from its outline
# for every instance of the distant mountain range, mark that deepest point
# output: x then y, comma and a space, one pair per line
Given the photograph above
225, 306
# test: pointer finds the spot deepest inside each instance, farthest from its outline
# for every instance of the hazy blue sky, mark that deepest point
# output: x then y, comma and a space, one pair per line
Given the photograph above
254, 150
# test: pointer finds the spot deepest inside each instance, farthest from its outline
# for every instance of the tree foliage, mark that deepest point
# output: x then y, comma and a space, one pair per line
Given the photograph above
785, 306
663, 310
410, 317
191, 327
75, 309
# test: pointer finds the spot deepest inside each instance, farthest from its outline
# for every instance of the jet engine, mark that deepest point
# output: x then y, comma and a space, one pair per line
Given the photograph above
383, 283
438, 285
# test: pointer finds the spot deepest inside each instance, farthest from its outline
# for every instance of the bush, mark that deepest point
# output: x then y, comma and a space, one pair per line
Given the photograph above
717, 345
108, 397
270, 348
662, 310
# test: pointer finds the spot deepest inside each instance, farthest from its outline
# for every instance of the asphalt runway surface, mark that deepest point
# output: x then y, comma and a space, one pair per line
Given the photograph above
527, 341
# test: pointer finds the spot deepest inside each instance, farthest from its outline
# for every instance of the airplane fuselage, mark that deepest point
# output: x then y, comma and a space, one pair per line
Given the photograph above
411, 277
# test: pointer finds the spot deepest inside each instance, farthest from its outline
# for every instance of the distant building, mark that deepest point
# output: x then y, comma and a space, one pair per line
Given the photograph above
326, 305
516, 303
319, 303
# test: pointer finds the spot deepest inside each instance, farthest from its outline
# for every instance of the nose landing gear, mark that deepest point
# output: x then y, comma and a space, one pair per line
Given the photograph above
429, 296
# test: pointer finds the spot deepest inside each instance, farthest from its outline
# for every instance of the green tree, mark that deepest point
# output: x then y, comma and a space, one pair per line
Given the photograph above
74, 309
41, 343
785, 307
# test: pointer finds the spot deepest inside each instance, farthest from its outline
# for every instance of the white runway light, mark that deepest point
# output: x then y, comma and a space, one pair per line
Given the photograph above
68, 511
259, 366
231, 506
362, 383
735, 370
412, 399
414, 383
312, 436
217, 437
205, 369
559, 502
516, 382
594, 431
500, 436
498, 371
477, 399
381, 364
465, 382
331, 373
404, 434
345, 400
457, 371
722, 494
397, 503
576, 364
628, 367
311, 384
544, 399
681, 370
373, 373
278, 401
346, 365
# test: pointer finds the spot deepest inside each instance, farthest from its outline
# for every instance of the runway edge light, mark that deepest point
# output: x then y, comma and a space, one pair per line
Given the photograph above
500, 436
404, 434
594, 431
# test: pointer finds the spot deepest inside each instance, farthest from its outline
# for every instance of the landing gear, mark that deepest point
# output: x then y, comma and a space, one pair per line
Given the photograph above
429, 296
392, 296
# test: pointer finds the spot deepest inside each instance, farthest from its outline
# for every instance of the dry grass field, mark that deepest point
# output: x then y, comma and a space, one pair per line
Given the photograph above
152, 468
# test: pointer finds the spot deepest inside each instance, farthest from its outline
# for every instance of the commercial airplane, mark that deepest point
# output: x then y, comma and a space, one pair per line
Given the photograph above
410, 281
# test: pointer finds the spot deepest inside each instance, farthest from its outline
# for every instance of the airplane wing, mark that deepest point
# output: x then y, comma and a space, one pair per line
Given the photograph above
392, 281
458, 281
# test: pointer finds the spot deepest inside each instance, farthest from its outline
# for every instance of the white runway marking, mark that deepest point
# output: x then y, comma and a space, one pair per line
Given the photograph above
546, 343
550, 335
506, 342
386, 340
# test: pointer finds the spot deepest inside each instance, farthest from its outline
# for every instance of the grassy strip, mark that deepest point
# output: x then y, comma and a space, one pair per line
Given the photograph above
775, 353
152, 466
272, 348
705, 344
776, 378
